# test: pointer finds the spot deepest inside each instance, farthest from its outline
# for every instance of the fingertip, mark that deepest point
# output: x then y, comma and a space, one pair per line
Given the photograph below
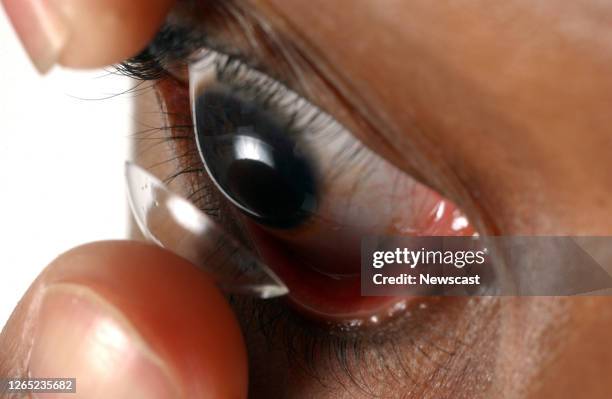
84, 33
107, 32
128, 319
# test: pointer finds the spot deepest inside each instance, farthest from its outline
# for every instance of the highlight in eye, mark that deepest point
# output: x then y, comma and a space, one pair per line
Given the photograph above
308, 189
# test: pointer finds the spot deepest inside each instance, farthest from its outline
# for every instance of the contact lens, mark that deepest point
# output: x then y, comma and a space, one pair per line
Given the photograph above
174, 223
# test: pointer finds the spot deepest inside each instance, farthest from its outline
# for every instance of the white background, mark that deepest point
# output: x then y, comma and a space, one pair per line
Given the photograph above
61, 164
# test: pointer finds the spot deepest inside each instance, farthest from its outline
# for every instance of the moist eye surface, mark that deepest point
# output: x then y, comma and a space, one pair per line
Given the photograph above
252, 159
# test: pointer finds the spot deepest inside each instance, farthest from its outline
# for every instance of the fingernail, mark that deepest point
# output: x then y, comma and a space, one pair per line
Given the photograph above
41, 29
80, 335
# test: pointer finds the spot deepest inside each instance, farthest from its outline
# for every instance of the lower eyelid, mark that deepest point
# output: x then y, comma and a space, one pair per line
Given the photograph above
444, 343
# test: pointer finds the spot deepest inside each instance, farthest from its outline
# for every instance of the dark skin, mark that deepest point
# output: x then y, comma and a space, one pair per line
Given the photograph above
503, 109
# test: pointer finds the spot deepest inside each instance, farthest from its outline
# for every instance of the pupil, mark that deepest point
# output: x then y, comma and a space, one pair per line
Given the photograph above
253, 160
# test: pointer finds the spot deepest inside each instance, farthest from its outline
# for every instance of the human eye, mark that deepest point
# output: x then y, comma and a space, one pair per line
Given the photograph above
270, 160
306, 189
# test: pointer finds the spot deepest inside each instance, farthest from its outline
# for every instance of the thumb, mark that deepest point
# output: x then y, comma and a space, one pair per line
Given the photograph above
127, 320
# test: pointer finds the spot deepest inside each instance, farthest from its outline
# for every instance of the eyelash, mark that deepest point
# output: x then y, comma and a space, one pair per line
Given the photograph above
301, 116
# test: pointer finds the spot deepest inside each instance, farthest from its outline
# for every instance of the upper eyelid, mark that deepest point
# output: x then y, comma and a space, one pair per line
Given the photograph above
176, 43
236, 30
274, 55
180, 46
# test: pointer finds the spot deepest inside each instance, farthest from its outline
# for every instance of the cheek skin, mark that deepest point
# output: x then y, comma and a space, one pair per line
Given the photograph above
582, 368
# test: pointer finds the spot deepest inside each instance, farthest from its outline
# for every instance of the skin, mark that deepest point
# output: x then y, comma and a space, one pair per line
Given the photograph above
502, 108
469, 77
517, 112
180, 316
77, 33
